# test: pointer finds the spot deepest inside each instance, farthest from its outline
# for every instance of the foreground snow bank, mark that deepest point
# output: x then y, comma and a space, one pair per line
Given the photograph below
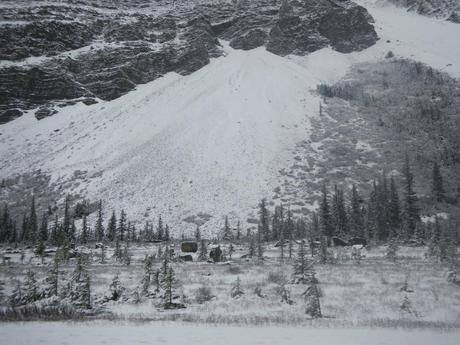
155, 333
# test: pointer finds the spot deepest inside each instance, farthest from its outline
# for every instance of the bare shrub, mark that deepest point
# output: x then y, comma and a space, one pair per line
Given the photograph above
277, 277
235, 270
203, 294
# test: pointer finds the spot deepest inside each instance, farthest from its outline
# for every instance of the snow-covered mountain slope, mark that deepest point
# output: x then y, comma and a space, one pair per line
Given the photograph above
209, 144
407, 34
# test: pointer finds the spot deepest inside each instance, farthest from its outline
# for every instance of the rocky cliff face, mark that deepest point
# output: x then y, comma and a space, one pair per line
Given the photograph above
58, 53
443, 9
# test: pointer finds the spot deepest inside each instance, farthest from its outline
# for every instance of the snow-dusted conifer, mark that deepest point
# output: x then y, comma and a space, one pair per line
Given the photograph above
237, 291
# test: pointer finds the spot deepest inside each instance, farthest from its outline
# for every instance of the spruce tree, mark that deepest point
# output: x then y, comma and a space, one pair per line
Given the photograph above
16, 298
160, 229
147, 277
260, 248
311, 298
168, 286
30, 291
66, 223
115, 289
437, 186
43, 232
252, 247
237, 291
99, 230
112, 227
281, 245
227, 235
55, 231
84, 231
392, 249
356, 215
411, 209
326, 224
264, 220
339, 215
197, 234
33, 222
394, 210
52, 280
238, 231
79, 287
122, 225
303, 269
203, 252
289, 227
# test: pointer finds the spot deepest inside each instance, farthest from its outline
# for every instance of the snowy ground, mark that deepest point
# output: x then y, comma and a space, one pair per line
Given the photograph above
357, 294
178, 334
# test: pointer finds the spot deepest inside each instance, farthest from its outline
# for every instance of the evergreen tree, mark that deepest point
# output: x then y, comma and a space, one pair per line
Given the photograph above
167, 235
33, 222
238, 231
30, 292
168, 286
4, 224
66, 223
25, 233
43, 232
99, 230
252, 248
326, 224
392, 249
16, 298
260, 248
227, 234
411, 210
117, 253
264, 220
312, 302
356, 215
112, 227
339, 215
52, 280
289, 227
231, 250
103, 254
79, 287
55, 231
394, 210
126, 255
84, 236
197, 234
314, 232
160, 229
147, 277
281, 245
437, 186
303, 269
122, 225
237, 291
203, 252
115, 289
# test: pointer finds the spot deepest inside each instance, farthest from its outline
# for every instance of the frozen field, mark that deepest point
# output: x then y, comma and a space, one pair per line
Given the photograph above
177, 334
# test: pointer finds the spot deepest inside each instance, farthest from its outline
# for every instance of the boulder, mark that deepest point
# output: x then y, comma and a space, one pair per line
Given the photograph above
189, 247
216, 254
186, 258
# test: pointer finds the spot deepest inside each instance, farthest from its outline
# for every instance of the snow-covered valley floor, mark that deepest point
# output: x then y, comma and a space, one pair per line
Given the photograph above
116, 333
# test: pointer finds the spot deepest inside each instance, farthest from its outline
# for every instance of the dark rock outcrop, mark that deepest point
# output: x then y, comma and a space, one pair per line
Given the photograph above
309, 25
137, 41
